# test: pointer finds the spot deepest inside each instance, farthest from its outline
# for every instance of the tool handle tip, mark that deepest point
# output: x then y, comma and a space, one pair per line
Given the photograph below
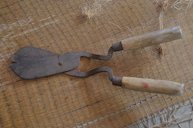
152, 38
153, 86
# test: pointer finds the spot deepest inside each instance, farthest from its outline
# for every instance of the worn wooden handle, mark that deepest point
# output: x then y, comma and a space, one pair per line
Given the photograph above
152, 38
154, 86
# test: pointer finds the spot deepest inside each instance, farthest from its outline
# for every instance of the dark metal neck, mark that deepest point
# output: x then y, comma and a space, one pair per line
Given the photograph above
115, 47
117, 81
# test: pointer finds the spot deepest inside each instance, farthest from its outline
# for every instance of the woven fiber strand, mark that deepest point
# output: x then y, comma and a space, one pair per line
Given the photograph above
63, 25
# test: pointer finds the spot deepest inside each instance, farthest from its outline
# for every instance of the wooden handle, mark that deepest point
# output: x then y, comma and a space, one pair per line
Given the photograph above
154, 86
152, 38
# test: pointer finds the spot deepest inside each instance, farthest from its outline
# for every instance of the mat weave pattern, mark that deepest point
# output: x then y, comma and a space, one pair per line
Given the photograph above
63, 25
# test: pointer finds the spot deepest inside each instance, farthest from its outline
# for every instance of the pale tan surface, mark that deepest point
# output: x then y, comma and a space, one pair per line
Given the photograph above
152, 38
153, 86
63, 101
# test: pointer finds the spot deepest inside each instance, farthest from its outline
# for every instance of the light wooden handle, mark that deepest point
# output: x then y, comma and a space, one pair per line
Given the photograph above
154, 86
152, 38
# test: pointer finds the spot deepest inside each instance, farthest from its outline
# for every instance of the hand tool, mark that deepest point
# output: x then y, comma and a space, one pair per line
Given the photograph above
31, 63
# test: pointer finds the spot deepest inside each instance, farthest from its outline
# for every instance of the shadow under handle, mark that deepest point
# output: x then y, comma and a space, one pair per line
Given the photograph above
153, 86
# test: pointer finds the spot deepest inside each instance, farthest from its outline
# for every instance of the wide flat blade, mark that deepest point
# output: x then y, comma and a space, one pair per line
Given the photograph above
31, 63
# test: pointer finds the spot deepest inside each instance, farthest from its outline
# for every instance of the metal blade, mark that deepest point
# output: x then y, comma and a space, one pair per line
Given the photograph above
31, 63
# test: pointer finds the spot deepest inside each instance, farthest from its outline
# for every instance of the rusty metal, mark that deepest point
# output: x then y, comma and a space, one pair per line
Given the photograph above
32, 63
114, 79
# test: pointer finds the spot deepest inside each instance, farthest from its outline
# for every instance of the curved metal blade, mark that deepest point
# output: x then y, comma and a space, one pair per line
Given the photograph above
31, 63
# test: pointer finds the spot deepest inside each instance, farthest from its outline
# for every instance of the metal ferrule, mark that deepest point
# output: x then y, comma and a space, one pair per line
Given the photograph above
117, 81
117, 46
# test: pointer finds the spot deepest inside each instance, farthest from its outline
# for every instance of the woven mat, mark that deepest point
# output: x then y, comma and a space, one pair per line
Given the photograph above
80, 25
